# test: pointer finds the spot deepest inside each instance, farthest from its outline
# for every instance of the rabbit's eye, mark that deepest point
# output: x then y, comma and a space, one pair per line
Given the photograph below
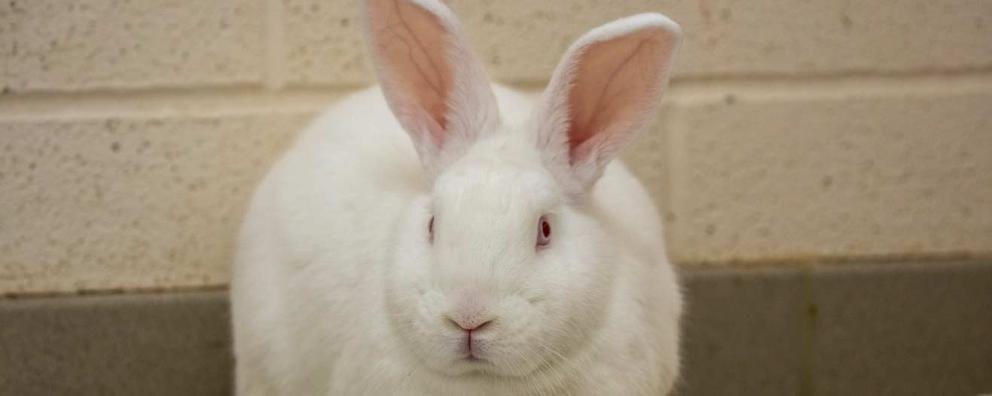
543, 232
430, 229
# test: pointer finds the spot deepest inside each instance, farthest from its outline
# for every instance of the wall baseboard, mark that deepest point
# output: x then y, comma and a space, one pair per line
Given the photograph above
877, 329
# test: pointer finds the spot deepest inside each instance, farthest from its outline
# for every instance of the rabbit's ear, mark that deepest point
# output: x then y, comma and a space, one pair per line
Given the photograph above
435, 86
603, 92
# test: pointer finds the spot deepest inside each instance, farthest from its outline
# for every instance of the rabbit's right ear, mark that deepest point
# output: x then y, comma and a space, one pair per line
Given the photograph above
435, 86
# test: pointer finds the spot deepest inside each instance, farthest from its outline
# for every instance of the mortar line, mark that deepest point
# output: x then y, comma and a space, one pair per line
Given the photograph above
839, 260
163, 103
860, 86
96, 292
275, 51
807, 271
808, 328
276, 92
675, 166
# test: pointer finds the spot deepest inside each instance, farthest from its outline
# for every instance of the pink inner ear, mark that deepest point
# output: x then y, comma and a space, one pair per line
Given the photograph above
614, 85
411, 43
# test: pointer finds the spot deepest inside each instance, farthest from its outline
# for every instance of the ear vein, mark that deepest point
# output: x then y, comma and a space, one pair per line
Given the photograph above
602, 97
434, 85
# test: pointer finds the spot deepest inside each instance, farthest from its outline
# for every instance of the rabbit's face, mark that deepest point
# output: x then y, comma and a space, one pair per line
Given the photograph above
496, 272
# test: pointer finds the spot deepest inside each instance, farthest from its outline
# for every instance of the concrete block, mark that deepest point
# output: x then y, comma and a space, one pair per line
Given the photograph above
53, 45
793, 174
522, 40
129, 202
744, 333
914, 329
168, 344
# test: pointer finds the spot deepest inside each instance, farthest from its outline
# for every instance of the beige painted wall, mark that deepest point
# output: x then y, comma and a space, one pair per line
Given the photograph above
132, 132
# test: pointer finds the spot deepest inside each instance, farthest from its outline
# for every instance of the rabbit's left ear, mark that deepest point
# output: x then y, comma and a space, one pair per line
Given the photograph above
435, 86
602, 94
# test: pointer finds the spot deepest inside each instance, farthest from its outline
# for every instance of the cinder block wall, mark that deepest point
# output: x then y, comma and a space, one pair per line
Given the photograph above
132, 132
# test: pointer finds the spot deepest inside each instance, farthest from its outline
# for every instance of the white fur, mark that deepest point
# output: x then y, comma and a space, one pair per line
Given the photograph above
338, 288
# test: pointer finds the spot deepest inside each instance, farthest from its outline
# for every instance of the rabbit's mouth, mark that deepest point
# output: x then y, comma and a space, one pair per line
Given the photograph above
473, 356
470, 366
474, 367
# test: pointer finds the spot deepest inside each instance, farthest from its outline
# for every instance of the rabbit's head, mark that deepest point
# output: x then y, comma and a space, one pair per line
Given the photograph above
504, 268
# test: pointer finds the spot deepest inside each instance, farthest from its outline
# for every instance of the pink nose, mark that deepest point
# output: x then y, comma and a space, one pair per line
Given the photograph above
469, 324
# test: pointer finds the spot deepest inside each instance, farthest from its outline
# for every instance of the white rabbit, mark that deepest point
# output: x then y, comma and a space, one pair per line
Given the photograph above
502, 252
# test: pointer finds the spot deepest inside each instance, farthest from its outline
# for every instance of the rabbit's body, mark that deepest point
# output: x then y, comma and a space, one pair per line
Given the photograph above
290, 344
448, 236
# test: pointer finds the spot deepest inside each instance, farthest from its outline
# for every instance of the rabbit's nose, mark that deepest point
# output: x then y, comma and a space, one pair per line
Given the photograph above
469, 323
